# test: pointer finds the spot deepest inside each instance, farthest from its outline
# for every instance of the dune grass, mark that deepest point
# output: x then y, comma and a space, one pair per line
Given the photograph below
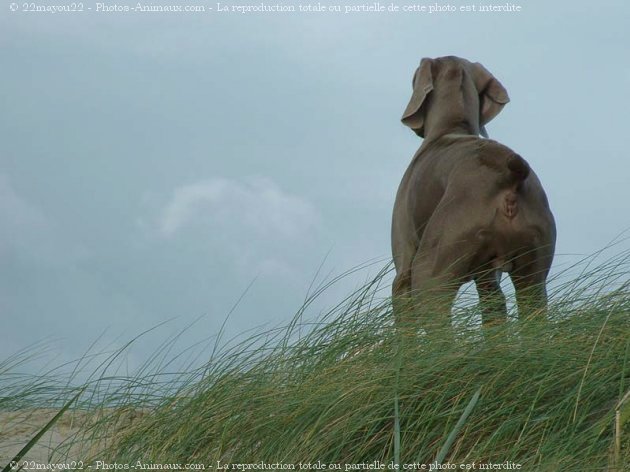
345, 389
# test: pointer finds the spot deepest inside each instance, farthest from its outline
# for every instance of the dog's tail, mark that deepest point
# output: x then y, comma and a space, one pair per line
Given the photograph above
511, 168
518, 168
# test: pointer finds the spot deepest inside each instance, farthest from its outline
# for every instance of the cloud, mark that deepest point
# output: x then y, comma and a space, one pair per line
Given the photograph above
31, 233
253, 207
251, 223
15, 212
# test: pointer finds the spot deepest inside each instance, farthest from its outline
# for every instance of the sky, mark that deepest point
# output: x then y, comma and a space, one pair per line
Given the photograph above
176, 167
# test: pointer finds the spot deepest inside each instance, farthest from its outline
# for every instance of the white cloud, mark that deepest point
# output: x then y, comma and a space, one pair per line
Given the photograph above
29, 232
15, 212
26, 229
252, 207
250, 224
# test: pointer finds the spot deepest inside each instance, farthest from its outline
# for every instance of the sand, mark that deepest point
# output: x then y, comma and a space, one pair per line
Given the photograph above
17, 428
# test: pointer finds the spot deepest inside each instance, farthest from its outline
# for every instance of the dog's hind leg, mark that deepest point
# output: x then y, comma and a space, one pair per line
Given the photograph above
529, 278
491, 298
401, 296
436, 276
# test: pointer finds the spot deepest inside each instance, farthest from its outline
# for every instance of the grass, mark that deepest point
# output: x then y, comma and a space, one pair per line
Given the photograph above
342, 390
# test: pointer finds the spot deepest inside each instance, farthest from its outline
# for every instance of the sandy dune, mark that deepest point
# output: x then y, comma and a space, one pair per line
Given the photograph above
18, 427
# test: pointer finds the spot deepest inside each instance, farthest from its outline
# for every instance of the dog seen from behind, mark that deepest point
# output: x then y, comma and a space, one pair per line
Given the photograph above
468, 208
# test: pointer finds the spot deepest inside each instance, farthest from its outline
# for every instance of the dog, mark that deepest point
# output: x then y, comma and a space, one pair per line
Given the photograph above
467, 208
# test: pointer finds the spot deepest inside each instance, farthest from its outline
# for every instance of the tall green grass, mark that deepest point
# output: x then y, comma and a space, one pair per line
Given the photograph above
345, 389
546, 393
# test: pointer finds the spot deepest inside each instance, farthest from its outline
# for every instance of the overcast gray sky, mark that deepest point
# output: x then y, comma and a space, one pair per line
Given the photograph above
153, 165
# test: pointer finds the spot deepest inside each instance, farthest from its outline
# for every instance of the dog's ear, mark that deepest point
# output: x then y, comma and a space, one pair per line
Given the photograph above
492, 95
422, 85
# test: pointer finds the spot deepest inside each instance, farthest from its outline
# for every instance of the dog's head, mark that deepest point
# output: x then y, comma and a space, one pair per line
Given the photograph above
453, 88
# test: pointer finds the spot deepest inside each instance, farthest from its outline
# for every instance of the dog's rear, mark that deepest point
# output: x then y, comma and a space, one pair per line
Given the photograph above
508, 212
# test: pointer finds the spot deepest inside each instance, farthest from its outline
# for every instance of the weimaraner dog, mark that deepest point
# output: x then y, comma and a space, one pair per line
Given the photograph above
467, 208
